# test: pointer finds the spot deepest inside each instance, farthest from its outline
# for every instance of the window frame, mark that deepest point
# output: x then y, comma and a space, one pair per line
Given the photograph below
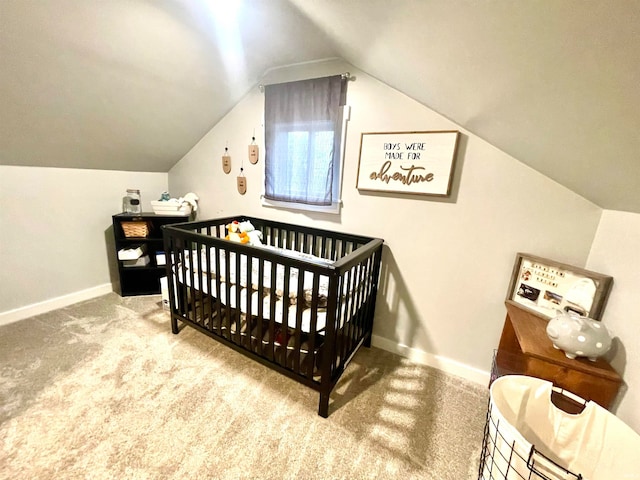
338, 170
338, 160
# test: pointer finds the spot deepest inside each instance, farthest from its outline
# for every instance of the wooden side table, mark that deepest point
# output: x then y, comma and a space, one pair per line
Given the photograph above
525, 349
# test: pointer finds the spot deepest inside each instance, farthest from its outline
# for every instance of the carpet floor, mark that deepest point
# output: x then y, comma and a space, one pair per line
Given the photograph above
103, 390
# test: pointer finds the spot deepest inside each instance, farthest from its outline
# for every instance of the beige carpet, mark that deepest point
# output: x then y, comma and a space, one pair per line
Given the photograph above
103, 390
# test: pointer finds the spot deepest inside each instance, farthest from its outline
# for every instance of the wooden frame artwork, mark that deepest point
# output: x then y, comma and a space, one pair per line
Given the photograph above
544, 286
408, 162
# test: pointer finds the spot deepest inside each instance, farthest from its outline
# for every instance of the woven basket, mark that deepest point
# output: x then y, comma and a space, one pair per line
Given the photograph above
135, 229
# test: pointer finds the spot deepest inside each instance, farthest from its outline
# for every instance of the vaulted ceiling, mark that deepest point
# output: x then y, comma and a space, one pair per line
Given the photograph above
134, 84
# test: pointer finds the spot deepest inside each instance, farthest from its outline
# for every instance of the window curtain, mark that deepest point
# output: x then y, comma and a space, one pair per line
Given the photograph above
303, 134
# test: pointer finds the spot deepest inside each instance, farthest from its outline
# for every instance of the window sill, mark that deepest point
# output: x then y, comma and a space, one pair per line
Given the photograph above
334, 208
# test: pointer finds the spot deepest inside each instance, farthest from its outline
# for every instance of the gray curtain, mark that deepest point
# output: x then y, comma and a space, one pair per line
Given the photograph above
303, 129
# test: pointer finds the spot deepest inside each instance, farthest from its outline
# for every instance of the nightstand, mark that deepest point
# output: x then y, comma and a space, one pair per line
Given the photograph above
141, 232
525, 349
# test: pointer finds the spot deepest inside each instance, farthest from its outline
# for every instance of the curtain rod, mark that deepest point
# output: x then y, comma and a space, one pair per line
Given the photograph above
345, 76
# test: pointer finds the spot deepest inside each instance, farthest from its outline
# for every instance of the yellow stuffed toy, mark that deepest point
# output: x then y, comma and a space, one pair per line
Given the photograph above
235, 234
243, 232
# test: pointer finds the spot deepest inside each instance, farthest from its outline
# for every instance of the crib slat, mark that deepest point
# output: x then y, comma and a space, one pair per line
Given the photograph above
314, 324
300, 305
249, 295
238, 310
367, 291
331, 249
348, 320
296, 239
354, 333
353, 308
200, 294
227, 304
172, 281
184, 292
358, 311
218, 281
284, 328
361, 282
207, 278
260, 326
191, 295
268, 236
272, 313
345, 320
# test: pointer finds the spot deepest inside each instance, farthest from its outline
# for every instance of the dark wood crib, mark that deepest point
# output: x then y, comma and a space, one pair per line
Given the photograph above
302, 303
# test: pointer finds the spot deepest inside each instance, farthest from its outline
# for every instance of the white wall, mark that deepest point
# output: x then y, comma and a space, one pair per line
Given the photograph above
447, 263
615, 252
55, 230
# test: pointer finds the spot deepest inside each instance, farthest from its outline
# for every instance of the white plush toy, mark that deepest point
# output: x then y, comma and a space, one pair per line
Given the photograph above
255, 236
190, 198
244, 232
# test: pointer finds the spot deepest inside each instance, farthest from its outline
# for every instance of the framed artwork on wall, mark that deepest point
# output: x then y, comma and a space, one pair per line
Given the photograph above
545, 287
408, 162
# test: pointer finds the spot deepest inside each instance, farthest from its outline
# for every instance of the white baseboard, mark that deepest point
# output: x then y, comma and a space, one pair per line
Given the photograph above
436, 361
21, 313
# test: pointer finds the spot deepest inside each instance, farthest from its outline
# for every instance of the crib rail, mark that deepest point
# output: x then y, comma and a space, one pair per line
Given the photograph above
319, 242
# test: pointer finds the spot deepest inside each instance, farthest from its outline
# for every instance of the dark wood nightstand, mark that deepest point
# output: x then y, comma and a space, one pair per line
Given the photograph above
525, 349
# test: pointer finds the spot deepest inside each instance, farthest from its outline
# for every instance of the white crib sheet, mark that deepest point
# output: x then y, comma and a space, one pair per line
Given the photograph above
209, 267
279, 304
203, 267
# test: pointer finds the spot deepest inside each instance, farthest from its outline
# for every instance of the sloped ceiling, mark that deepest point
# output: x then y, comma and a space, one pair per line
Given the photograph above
133, 84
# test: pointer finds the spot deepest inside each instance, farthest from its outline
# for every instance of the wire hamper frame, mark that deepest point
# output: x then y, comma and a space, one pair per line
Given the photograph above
537, 431
509, 458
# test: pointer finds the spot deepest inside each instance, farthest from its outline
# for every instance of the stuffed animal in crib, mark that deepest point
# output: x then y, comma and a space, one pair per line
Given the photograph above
243, 232
235, 234
578, 336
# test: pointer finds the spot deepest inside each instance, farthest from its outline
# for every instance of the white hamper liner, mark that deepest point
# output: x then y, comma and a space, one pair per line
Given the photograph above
527, 437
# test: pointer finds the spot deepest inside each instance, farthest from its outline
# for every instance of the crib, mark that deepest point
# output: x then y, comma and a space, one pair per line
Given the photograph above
302, 303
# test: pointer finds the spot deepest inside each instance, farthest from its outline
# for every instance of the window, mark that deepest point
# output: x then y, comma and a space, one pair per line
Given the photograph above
303, 135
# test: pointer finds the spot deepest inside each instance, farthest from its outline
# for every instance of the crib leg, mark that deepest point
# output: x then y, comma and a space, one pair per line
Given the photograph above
174, 325
323, 407
367, 341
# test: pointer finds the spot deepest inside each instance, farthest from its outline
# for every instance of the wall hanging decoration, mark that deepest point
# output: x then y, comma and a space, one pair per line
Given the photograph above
226, 161
253, 151
545, 287
408, 162
242, 182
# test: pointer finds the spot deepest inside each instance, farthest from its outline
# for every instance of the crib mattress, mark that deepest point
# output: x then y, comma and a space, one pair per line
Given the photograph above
228, 295
283, 308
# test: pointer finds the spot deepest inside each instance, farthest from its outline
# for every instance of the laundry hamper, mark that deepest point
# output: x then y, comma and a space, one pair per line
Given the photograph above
527, 437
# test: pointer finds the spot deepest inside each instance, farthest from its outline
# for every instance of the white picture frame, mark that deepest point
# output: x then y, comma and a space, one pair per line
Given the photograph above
544, 287
420, 163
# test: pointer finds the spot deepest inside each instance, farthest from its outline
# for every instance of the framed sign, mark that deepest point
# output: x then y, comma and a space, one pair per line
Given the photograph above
408, 162
544, 286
